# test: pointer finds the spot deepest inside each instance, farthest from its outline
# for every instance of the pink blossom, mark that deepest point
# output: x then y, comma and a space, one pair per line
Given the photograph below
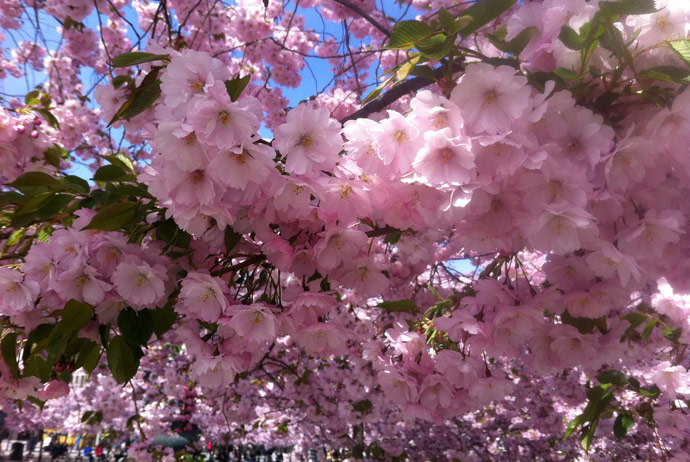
16, 294
491, 100
203, 296
140, 285
399, 143
241, 165
398, 387
82, 283
366, 277
53, 389
444, 161
222, 123
457, 325
672, 380
310, 140
339, 244
321, 339
255, 323
435, 393
190, 73
214, 372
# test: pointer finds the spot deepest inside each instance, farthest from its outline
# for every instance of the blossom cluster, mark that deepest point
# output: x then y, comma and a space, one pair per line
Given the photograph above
327, 267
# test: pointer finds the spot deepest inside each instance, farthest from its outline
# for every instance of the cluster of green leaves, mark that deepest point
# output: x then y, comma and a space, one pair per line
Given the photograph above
645, 315
40, 103
40, 202
125, 350
602, 404
602, 32
55, 350
435, 40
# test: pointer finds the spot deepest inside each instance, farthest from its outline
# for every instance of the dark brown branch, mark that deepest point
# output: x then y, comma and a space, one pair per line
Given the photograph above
365, 16
248, 262
397, 92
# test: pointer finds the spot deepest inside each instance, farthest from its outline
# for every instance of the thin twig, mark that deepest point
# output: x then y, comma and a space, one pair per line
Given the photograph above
365, 16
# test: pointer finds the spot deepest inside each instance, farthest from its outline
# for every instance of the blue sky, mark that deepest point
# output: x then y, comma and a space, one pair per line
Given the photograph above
314, 77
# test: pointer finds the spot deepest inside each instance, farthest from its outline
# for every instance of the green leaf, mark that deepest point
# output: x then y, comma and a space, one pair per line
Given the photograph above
648, 328
136, 326
650, 392
584, 325
565, 73
89, 357
76, 183
36, 179
377, 452
483, 12
613, 40
85, 416
588, 434
393, 238
136, 57
36, 401
520, 41
572, 426
232, 238
86, 349
635, 319
673, 334
168, 231
15, 237
236, 86
423, 71
121, 359
54, 205
163, 320
376, 92
121, 161
40, 333
624, 422
304, 379
75, 316
9, 352
627, 7
447, 21
12, 197
362, 406
406, 33
682, 48
112, 173
612, 376
38, 367
31, 98
48, 116
54, 155
120, 80
435, 47
26, 213
666, 73
399, 306
141, 99
113, 217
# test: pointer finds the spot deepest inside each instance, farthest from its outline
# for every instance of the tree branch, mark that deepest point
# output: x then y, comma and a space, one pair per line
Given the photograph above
395, 93
365, 16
